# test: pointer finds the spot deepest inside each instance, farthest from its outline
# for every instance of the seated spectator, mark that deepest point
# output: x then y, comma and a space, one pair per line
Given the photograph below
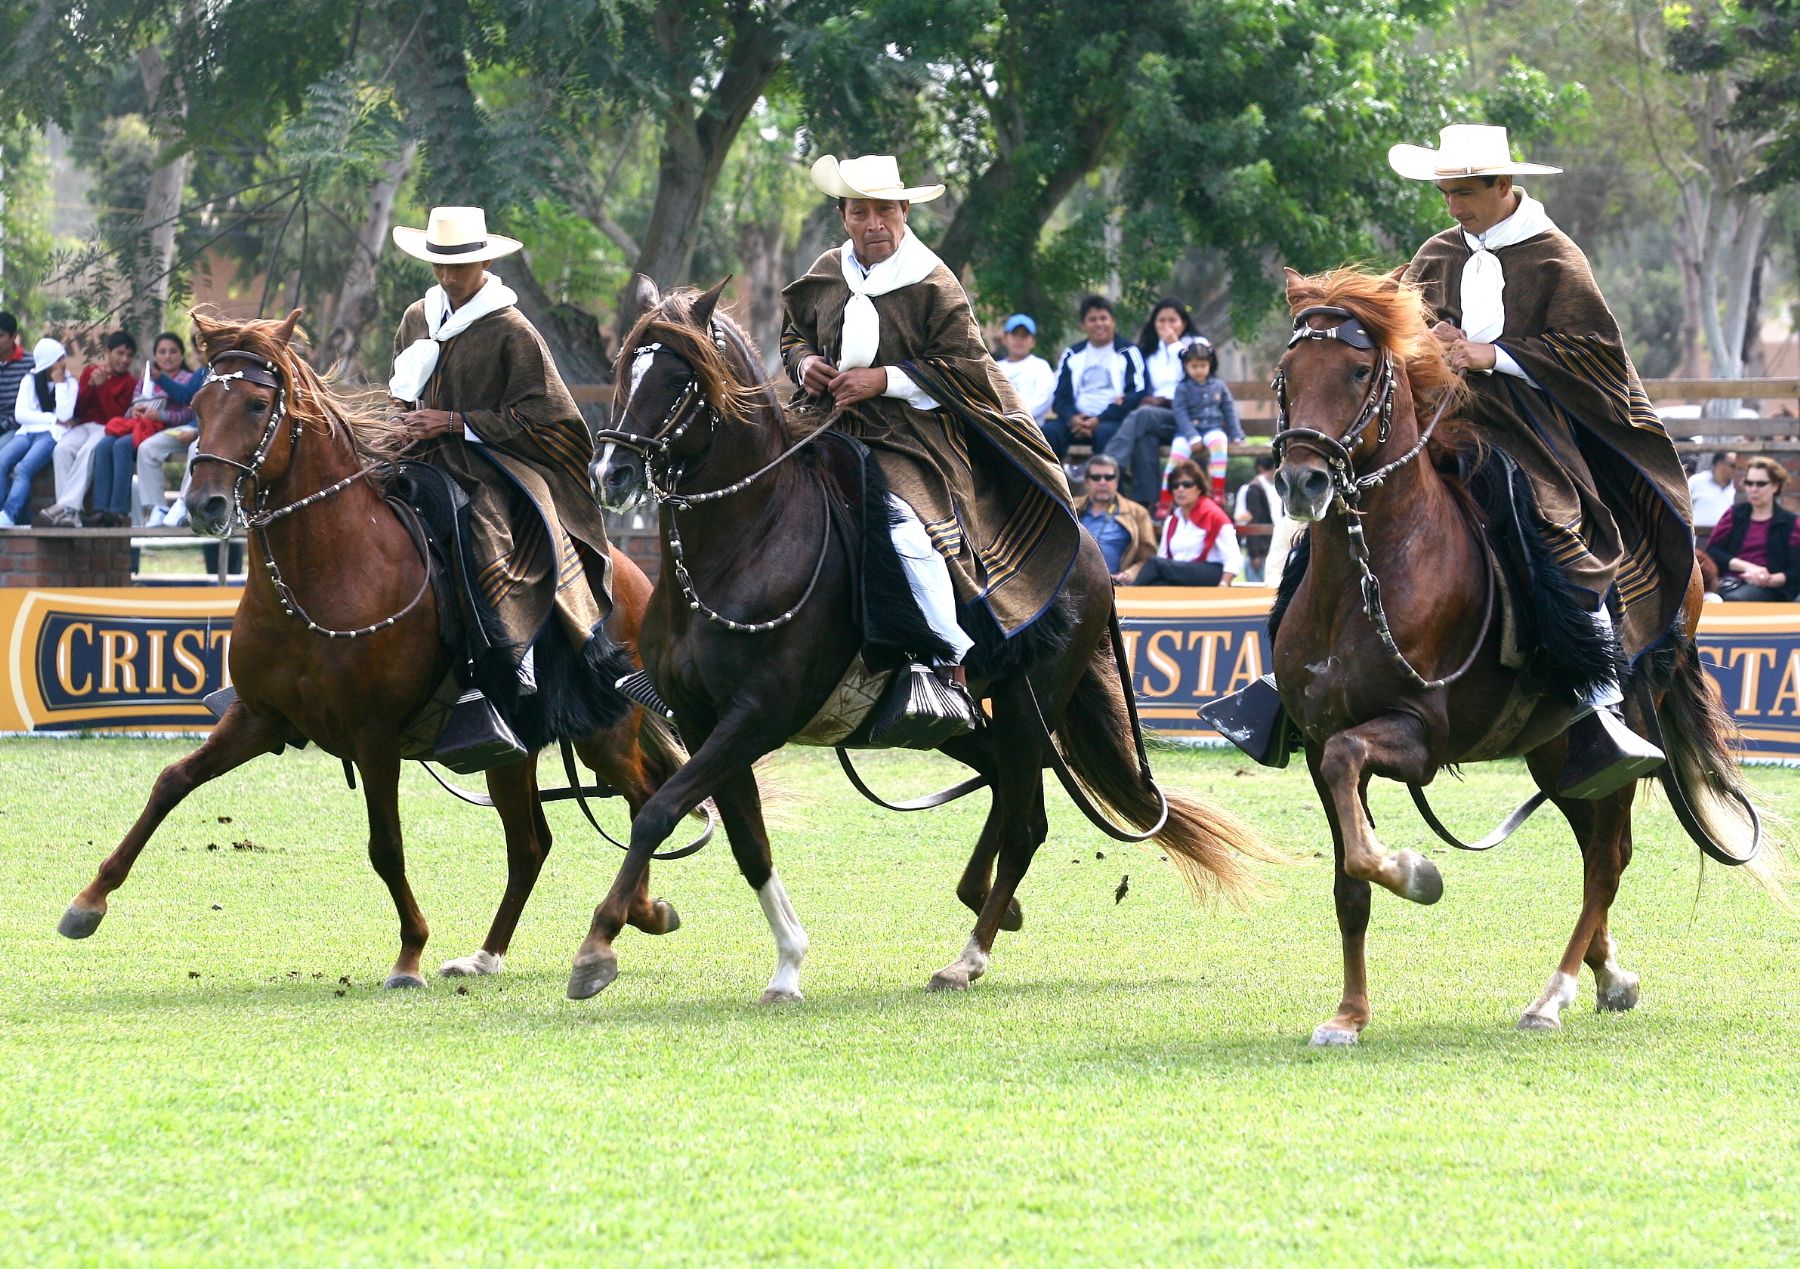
105, 393
1030, 376
1199, 547
1713, 489
1098, 382
1152, 425
15, 364
1121, 526
151, 412
1257, 503
43, 407
1756, 546
179, 432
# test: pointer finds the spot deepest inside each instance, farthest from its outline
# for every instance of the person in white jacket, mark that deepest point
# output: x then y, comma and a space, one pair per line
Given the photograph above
46, 404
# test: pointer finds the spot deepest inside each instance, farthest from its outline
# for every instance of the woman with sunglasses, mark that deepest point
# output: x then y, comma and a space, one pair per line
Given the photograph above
1199, 547
1755, 546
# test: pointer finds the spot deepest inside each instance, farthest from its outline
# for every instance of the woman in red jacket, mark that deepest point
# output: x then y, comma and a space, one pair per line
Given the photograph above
1199, 547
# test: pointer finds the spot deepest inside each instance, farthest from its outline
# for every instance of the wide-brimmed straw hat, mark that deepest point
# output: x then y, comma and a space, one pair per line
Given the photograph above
454, 235
871, 176
1464, 149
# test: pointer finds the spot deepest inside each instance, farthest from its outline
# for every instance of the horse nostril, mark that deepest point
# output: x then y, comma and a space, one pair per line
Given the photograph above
1316, 485
215, 509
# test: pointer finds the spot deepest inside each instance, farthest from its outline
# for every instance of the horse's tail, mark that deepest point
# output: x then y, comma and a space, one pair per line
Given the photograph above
662, 748
1702, 744
1207, 844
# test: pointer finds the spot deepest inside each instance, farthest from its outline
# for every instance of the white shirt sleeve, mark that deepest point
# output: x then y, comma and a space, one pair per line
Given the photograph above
1037, 385
1231, 556
1504, 364
900, 384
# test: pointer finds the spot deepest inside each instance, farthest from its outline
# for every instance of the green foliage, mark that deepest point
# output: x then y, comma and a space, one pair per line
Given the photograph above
25, 224
1759, 41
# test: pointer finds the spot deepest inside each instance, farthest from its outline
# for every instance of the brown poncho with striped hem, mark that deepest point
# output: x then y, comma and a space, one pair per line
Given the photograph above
977, 470
1611, 494
540, 542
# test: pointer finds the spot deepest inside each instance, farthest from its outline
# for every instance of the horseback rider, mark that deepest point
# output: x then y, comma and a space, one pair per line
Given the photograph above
1552, 387
479, 395
880, 334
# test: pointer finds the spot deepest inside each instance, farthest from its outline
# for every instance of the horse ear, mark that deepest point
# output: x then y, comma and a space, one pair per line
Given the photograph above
206, 323
701, 313
1396, 277
1295, 280
644, 296
284, 333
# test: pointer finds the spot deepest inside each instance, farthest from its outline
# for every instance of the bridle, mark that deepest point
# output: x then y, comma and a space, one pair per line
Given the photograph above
1347, 488
654, 451
265, 373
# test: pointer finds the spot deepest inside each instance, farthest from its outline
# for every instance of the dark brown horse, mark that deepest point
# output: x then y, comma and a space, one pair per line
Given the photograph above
753, 625
1440, 695
351, 565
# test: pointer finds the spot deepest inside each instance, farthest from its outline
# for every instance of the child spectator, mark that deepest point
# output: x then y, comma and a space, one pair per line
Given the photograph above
1099, 381
43, 407
149, 415
1152, 425
15, 364
105, 393
1199, 547
1031, 377
1204, 408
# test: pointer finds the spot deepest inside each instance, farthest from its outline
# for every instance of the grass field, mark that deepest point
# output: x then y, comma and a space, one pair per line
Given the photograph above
217, 1076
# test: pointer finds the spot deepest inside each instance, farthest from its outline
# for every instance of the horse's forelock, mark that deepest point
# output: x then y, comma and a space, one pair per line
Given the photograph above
670, 324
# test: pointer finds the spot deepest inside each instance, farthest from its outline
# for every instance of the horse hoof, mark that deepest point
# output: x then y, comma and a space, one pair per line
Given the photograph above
955, 978
671, 919
1014, 920
1422, 883
1539, 1022
399, 982
777, 997
1621, 995
474, 965
590, 977
78, 923
1326, 1036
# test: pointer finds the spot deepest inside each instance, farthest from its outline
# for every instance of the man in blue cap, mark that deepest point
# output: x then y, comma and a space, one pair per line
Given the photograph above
1031, 376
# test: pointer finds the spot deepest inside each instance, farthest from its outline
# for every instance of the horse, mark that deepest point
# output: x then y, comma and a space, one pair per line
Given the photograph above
753, 624
1403, 675
336, 639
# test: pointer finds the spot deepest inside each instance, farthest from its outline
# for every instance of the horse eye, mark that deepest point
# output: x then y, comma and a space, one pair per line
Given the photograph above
257, 407
1360, 373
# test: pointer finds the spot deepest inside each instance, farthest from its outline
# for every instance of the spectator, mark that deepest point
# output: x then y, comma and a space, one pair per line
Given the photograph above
43, 408
1030, 376
15, 364
1204, 407
1755, 546
1199, 547
1121, 527
105, 394
1152, 425
1713, 490
180, 431
1258, 504
150, 414
1099, 381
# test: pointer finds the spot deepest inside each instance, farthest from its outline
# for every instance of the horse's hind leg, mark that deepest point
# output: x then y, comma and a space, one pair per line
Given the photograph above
514, 790
239, 737
978, 874
380, 770
1352, 900
740, 807
1603, 827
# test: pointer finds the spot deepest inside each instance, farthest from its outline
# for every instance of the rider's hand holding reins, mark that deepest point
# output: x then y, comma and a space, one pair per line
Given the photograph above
816, 375
422, 425
853, 386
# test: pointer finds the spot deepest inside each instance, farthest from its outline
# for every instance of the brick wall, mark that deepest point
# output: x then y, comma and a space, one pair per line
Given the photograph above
64, 557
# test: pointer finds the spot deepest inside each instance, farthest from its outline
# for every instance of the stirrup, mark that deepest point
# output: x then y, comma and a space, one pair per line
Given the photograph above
1253, 719
475, 737
922, 711
1604, 756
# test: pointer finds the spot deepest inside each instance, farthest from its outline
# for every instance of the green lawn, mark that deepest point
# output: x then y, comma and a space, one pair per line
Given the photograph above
1130, 1083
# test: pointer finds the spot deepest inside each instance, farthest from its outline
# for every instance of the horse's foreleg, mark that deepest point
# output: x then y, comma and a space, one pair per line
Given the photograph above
733, 746
380, 768
1603, 827
623, 761
239, 737
514, 790
1392, 746
1352, 900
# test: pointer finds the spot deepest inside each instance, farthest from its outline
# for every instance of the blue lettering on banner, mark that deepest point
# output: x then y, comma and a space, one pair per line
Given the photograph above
139, 670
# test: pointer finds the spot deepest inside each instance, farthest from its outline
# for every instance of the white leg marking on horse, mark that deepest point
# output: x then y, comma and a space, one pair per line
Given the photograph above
474, 965
976, 959
1615, 988
790, 942
1546, 1011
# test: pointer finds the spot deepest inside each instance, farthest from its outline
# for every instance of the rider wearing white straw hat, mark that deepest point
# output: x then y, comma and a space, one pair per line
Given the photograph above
1552, 386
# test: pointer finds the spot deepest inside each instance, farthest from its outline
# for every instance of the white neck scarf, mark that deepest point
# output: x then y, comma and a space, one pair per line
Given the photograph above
413, 367
1483, 280
911, 262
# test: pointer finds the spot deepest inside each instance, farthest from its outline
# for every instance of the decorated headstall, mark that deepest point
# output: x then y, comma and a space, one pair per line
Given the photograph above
688, 406
250, 368
1377, 406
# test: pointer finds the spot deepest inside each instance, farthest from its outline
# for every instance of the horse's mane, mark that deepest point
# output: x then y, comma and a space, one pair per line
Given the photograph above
310, 398
1394, 312
670, 323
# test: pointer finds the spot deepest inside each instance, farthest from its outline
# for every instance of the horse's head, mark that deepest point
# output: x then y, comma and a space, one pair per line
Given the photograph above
1342, 387
241, 413
671, 388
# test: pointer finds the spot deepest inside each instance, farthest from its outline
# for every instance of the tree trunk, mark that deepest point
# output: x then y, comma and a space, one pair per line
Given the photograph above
354, 308
154, 261
760, 248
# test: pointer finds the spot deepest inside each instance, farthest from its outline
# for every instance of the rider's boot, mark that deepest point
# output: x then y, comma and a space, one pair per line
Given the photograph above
1253, 719
1604, 754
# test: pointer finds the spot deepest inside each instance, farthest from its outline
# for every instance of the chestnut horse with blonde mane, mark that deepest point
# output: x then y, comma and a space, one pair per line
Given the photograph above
349, 562
1434, 692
